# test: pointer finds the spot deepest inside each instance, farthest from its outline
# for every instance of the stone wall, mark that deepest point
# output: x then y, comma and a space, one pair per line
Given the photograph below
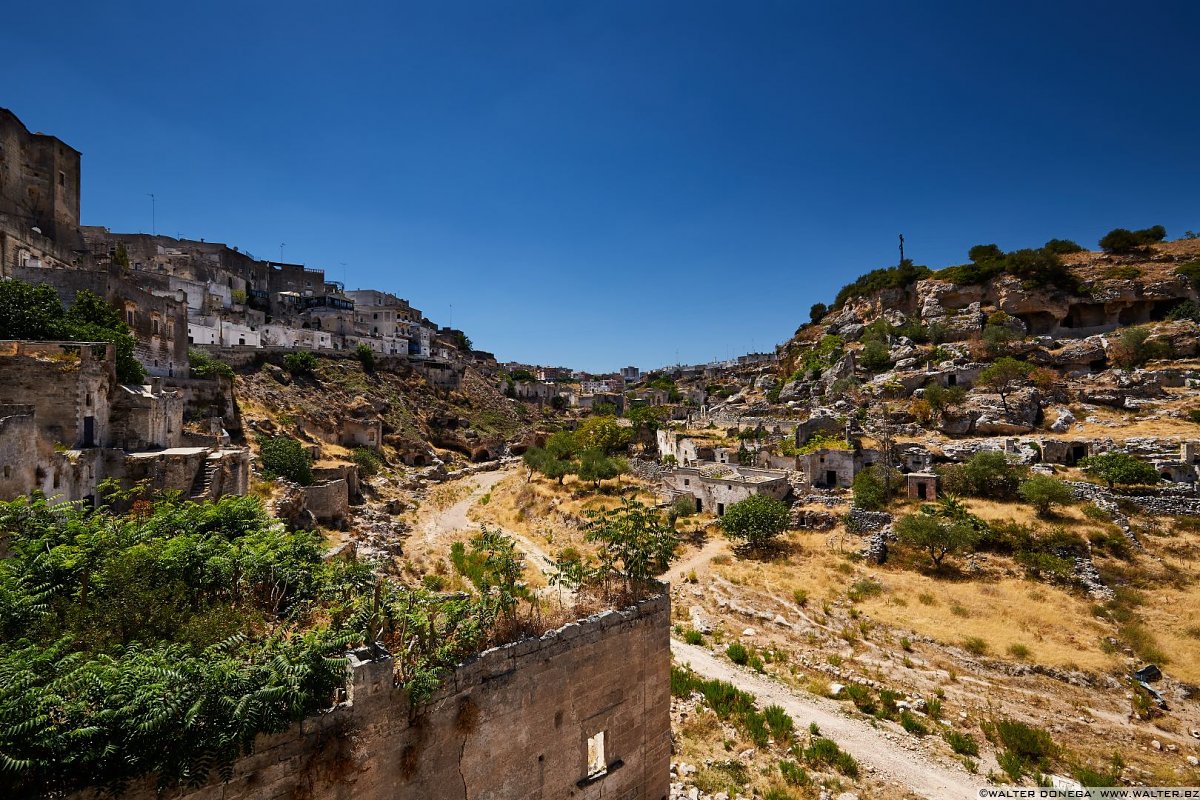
514, 722
330, 501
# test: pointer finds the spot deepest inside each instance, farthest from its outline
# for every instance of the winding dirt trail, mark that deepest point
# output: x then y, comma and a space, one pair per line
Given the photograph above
888, 760
436, 525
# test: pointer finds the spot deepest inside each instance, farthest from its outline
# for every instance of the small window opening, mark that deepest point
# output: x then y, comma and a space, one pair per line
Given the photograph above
595, 754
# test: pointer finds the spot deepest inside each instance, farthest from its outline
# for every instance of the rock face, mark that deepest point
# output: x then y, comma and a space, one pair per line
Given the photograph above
989, 415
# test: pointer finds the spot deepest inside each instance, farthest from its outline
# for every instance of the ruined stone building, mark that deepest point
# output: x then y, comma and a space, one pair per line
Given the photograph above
716, 487
66, 425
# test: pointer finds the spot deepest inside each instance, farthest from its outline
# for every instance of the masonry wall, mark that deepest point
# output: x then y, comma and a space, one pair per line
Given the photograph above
511, 724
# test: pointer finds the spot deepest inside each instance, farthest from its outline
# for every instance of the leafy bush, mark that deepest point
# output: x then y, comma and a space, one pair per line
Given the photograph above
1191, 271
693, 636
1187, 310
1119, 468
207, 367
817, 312
936, 537
793, 774
1123, 240
1062, 246
1037, 269
285, 457
163, 642
300, 363
368, 461
975, 645
366, 357
738, 653
871, 489
1134, 348
874, 357
1044, 492
758, 520
988, 473
912, 724
780, 722
962, 743
876, 280
825, 752
1033, 746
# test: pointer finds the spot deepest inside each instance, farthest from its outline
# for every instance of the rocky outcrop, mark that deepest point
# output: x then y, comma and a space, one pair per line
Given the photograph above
989, 415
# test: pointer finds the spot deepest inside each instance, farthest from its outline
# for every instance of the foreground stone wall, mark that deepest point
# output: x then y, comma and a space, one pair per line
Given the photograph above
512, 723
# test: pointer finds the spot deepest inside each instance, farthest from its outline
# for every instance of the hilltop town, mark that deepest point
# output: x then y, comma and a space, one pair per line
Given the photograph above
943, 536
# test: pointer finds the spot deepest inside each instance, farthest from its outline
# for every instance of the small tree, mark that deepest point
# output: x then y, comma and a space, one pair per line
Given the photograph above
603, 433
366, 357
875, 357
300, 363
871, 491
635, 537
1134, 348
937, 537
1004, 377
1122, 468
285, 457
758, 520
817, 312
1044, 492
595, 466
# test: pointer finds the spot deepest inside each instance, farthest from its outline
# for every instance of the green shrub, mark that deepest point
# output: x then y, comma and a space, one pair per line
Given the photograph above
817, 312
874, 357
962, 743
975, 645
780, 722
368, 461
1191, 271
793, 774
1032, 745
1123, 240
1044, 492
693, 636
825, 752
738, 653
757, 521
1062, 246
872, 490
207, 367
1119, 468
300, 363
1186, 310
285, 457
912, 724
366, 357
867, 587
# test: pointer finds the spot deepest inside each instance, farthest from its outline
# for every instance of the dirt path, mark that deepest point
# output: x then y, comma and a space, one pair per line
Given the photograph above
436, 525
678, 571
888, 760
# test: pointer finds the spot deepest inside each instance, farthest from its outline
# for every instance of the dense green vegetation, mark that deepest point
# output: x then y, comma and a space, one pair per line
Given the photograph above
35, 312
285, 457
1123, 240
589, 452
1036, 268
162, 641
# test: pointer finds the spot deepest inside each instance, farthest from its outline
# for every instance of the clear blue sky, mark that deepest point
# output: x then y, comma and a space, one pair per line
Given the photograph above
608, 183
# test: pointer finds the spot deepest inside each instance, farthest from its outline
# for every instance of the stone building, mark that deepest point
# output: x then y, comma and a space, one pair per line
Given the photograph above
66, 425
716, 487
832, 468
39, 182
